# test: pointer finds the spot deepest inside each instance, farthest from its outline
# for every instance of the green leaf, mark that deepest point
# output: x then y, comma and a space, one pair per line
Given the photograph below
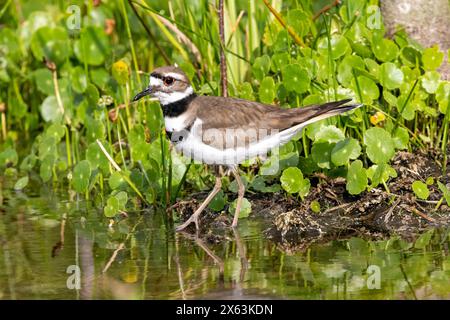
432, 58
345, 150
93, 46
315, 206
8, 158
234, 187
431, 81
407, 108
445, 192
112, 207
379, 145
47, 146
261, 67
116, 181
321, 154
367, 88
218, 202
51, 43
443, 95
43, 79
410, 56
295, 78
373, 67
401, 138
79, 79
356, 178
346, 68
259, 184
421, 190
385, 50
21, 183
56, 130
10, 44
122, 196
279, 60
245, 91
330, 134
46, 168
282, 42
423, 240
100, 77
267, 90
140, 149
292, 181
246, 208
95, 130
96, 157
81, 175
299, 21
50, 110
390, 98
28, 162
391, 77
380, 174
339, 46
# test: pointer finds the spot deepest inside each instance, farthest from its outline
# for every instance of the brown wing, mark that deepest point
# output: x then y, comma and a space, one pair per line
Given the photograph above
219, 112
238, 122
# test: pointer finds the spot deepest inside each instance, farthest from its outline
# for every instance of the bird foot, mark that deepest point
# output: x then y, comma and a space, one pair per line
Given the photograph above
192, 218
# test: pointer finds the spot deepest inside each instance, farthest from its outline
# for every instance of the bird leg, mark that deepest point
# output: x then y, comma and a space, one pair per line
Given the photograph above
241, 191
196, 214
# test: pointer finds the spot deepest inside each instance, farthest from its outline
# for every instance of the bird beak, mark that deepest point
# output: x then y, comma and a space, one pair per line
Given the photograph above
144, 93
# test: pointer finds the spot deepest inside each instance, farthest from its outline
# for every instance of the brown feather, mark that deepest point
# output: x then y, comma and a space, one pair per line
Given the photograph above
252, 120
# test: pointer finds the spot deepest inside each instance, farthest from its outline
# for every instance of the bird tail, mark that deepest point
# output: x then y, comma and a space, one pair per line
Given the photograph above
315, 113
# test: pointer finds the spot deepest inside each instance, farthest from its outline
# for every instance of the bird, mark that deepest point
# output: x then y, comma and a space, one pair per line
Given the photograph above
225, 131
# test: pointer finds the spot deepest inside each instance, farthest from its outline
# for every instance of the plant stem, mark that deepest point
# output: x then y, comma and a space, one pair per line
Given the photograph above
4, 132
280, 19
404, 105
163, 162
444, 142
149, 33
223, 62
116, 166
3, 10
120, 148
325, 9
130, 39
68, 148
183, 179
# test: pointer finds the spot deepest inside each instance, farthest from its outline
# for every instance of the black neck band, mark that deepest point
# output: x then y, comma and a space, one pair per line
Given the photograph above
176, 108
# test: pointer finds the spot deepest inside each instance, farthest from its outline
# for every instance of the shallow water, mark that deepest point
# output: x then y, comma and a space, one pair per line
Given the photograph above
50, 241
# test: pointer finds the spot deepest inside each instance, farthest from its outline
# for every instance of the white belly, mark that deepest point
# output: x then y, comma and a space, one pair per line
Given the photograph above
191, 146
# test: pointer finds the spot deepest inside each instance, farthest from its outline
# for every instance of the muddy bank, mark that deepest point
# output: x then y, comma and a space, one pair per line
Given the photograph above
374, 214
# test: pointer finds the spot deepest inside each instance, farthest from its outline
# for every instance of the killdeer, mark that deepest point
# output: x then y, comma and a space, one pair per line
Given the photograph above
226, 131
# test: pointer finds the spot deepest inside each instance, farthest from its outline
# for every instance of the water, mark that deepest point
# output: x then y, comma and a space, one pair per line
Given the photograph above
44, 237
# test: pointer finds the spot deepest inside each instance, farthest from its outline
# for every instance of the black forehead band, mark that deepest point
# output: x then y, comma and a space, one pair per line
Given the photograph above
157, 75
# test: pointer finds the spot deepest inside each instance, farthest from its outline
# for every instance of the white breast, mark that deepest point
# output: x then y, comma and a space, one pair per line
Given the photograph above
174, 124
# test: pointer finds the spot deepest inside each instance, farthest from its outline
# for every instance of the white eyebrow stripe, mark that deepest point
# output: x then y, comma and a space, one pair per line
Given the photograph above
175, 76
155, 82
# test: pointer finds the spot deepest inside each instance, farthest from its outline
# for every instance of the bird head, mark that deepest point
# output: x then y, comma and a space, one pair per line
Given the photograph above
168, 84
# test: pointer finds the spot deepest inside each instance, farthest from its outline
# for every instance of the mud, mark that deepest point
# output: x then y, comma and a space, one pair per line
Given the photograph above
375, 214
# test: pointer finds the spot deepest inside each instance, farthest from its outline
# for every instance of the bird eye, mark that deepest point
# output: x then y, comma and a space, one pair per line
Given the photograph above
168, 81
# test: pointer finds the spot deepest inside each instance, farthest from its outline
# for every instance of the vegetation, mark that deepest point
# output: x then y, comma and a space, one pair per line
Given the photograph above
68, 74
